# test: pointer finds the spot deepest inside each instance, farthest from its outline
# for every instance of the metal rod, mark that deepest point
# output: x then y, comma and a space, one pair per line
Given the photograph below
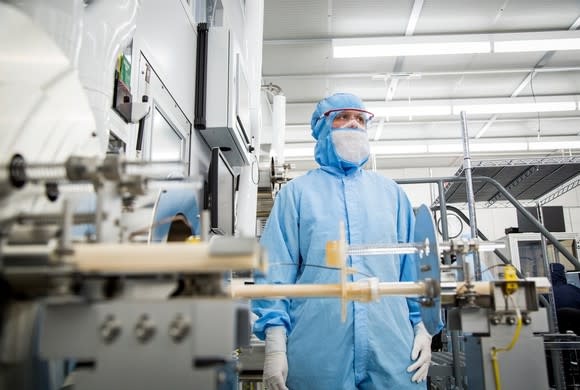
482, 246
455, 346
459, 262
469, 189
443, 211
385, 249
49, 218
413, 247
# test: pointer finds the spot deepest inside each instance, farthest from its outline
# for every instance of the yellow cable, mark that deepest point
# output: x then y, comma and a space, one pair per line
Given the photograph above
495, 351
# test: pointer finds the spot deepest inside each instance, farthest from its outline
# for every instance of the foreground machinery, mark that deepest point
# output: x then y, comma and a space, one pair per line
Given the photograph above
93, 290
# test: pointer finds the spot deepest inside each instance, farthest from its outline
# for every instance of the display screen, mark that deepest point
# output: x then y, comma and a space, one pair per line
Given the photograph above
166, 142
221, 180
553, 219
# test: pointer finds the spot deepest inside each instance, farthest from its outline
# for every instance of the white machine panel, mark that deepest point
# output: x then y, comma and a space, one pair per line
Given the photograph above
227, 103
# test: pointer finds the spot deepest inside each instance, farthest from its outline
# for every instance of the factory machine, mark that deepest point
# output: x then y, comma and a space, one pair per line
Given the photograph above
94, 305
111, 276
121, 123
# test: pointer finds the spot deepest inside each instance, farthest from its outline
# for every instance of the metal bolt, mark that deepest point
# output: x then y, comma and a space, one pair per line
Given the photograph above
527, 319
511, 320
179, 328
145, 329
110, 329
495, 320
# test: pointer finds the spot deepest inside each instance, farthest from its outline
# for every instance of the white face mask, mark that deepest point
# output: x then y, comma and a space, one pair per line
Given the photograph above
351, 145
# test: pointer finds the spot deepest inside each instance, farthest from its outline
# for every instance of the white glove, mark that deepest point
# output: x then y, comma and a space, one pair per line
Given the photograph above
421, 349
275, 361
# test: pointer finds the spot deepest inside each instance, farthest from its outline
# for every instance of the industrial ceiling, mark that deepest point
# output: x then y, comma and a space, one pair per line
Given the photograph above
298, 58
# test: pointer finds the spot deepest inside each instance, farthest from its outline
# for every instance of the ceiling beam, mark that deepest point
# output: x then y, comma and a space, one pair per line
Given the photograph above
448, 121
383, 76
393, 82
527, 80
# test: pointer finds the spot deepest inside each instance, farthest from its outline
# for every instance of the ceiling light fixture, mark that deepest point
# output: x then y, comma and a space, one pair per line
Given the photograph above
536, 41
406, 46
422, 108
553, 145
410, 110
456, 44
510, 108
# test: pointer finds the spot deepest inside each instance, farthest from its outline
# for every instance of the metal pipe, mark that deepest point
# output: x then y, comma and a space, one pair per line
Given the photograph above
483, 246
469, 189
443, 212
49, 218
385, 249
455, 345
415, 247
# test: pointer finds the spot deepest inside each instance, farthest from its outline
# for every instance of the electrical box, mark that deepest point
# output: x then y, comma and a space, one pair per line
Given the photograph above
227, 100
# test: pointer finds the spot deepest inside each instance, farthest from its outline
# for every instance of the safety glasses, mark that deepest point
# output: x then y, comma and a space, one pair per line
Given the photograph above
350, 117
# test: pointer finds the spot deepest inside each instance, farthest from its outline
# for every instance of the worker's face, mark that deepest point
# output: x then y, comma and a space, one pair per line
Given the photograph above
350, 119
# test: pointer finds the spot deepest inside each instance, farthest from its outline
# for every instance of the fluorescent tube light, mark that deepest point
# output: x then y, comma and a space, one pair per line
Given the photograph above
412, 110
498, 146
410, 49
517, 46
552, 145
395, 148
536, 41
514, 107
456, 44
422, 108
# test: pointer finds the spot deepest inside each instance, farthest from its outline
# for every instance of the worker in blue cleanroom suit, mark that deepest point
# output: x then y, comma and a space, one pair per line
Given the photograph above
383, 344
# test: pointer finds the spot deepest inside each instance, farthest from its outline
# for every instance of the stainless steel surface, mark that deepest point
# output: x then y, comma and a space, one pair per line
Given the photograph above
144, 354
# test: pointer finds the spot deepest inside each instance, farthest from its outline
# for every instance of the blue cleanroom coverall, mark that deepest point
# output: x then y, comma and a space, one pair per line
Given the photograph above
372, 350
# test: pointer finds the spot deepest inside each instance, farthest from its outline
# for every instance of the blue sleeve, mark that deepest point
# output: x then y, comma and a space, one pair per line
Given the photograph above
280, 240
405, 232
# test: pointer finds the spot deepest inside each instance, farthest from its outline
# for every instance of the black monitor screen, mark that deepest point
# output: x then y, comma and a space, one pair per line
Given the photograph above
221, 182
553, 219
